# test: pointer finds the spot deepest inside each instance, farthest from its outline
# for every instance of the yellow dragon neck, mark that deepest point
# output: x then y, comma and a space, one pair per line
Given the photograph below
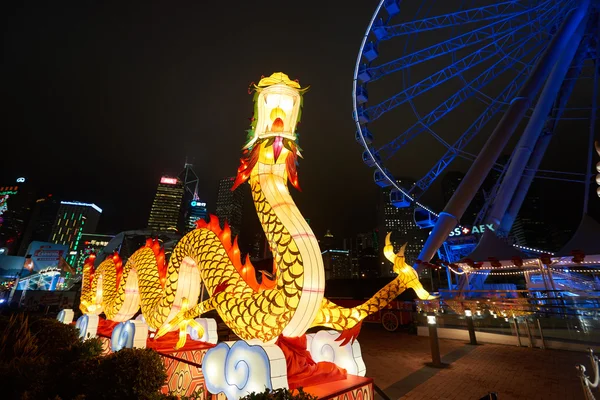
300, 271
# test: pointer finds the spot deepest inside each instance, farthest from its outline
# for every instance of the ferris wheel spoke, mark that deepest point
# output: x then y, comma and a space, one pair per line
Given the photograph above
471, 88
507, 94
474, 15
496, 30
477, 57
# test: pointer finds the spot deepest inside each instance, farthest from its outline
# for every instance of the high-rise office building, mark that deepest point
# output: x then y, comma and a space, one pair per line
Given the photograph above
166, 208
16, 202
73, 220
400, 222
450, 183
39, 227
337, 264
196, 210
230, 204
533, 227
328, 241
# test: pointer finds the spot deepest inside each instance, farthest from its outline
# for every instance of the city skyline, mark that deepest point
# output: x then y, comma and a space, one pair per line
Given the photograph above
158, 108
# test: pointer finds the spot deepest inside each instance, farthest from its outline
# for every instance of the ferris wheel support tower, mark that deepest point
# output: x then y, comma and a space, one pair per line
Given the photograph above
554, 60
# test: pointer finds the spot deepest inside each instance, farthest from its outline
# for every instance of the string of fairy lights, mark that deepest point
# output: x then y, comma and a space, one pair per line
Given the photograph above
527, 266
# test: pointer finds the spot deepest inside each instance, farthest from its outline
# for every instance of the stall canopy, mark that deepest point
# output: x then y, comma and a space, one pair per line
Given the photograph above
586, 238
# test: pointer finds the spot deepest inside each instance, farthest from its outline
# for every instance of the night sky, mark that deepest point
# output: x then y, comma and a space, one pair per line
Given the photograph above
102, 98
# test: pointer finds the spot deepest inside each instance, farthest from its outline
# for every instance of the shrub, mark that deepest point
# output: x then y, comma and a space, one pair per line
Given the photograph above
280, 394
42, 358
19, 357
126, 374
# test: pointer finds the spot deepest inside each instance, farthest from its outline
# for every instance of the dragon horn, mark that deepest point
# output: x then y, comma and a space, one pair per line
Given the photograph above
388, 250
402, 249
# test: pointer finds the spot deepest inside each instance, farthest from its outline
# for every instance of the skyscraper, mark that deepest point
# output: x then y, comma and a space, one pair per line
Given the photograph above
16, 201
400, 222
196, 210
39, 227
230, 204
73, 220
166, 208
337, 264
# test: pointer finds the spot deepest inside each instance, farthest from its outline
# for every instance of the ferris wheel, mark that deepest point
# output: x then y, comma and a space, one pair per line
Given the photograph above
459, 81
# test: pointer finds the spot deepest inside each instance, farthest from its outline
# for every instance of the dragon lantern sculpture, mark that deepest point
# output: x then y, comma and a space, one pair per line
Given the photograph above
289, 303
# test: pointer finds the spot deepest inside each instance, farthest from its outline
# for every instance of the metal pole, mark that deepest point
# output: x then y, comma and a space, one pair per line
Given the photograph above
522, 152
528, 332
541, 333
471, 327
436, 360
591, 148
517, 331
486, 159
543, 142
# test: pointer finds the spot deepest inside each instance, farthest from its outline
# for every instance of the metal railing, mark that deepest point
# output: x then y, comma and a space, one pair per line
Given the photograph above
539, 316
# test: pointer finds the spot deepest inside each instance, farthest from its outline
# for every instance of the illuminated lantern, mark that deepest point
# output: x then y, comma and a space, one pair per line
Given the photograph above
546, 259
88, 326
494, 262
517, 261
286, 305
277, 108
129, 335
65, 316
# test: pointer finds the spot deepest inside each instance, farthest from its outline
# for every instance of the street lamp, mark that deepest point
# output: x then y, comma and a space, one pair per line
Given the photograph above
434, 342
470, 327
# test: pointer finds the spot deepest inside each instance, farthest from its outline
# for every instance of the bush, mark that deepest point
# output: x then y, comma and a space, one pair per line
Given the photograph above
45, 359
38, 357
127, 374
19, 357
280, 394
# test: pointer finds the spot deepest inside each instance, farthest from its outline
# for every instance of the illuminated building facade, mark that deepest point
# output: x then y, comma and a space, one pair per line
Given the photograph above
89, 243
166, 208
337, 263
230, 204
73, 220
400, 221
39, 227
16, 202
196, 210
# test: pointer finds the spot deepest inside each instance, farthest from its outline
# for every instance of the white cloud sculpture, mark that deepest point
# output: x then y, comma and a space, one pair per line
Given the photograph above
239, 368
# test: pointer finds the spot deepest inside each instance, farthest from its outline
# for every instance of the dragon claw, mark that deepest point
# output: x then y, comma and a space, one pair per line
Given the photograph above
182, 321
349, 335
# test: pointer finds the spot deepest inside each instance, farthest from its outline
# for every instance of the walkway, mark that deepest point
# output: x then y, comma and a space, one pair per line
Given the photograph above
396, 361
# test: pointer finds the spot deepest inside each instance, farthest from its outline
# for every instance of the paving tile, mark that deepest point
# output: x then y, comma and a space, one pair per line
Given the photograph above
396, 361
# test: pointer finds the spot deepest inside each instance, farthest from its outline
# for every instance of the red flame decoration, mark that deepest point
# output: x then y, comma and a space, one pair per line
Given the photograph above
118, 262
247, 163
159, 254
89, 263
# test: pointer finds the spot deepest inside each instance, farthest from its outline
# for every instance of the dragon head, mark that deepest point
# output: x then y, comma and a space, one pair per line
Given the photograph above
272, 137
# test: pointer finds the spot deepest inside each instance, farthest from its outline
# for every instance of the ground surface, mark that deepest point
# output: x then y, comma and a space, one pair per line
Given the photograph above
396, 362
